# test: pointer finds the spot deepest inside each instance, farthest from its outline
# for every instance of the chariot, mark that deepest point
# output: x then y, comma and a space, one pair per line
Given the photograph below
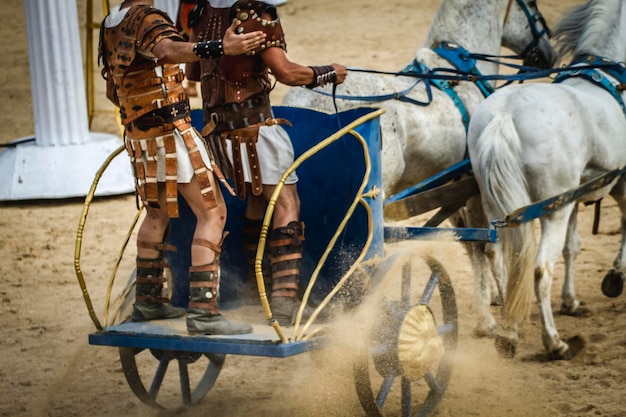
403, 354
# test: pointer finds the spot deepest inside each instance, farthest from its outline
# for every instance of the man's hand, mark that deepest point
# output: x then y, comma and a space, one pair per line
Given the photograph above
234, 44
342, 72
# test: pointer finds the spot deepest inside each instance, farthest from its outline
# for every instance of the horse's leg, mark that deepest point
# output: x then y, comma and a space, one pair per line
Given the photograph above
498, 284
486, 323
569, 304
553, 235
472, 215
613, 283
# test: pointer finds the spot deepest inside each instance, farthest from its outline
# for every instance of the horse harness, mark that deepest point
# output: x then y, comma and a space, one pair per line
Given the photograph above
592, 72
459, 58
463, 63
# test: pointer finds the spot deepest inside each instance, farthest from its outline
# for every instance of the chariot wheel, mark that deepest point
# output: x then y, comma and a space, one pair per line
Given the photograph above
404, 366
183, 386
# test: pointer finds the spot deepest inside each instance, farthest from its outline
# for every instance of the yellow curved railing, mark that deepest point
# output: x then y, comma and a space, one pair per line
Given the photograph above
79, 236
270, 210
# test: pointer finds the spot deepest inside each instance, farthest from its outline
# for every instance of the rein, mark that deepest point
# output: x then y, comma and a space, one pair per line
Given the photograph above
532, 18
464, 64
464, 69
450, 74
442, 78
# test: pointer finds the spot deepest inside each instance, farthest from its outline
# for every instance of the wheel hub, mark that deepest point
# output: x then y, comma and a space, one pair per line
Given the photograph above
419, 345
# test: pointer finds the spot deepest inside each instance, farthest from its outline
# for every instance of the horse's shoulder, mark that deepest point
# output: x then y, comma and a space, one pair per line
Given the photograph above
430, 58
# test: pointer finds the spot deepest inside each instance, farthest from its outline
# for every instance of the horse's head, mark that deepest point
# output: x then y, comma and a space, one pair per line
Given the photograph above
526, 33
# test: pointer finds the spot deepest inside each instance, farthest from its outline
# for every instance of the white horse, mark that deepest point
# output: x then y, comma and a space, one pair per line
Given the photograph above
420, 141
535, 141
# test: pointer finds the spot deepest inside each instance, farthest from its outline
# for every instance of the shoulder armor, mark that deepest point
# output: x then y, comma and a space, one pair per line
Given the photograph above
118, 43
154, 27
250, 14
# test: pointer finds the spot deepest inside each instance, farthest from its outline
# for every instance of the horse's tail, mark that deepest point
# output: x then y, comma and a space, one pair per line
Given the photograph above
498, 169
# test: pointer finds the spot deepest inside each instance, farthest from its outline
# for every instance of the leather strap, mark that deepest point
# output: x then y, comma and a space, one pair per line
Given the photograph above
150, 280
201, 242
159, 117
160, 246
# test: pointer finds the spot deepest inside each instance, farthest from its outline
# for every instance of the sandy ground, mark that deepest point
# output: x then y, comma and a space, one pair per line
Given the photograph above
47, 367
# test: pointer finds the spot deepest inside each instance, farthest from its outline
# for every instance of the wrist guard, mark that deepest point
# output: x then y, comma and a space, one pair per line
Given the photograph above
323, 75
209, 50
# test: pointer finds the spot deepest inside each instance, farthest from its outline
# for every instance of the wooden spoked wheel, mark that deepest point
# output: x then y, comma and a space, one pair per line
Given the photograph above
170, 385
382, 382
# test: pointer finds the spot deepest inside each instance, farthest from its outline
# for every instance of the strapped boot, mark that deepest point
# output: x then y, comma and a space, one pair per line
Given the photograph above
150, 303
203, 316
251, 232
286, 247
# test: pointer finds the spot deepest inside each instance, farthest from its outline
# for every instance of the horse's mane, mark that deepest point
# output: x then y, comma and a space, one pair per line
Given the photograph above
583, 28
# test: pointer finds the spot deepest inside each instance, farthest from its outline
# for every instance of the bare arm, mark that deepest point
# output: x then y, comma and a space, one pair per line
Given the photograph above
172, 52
291, 73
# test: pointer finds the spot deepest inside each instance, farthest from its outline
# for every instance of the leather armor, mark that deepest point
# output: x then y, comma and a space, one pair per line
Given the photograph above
235, 89
152, 103
140, 85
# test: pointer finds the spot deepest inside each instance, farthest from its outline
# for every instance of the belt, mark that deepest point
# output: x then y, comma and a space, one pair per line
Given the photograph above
237, 115
159, 117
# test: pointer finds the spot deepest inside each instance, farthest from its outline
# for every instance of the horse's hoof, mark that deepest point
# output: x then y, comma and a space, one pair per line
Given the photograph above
496, 301
576, 310
574, 346
613, 283
484, 332
506, 347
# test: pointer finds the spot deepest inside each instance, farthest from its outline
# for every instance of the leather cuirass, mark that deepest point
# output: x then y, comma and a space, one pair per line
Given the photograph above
236, 79
139, 84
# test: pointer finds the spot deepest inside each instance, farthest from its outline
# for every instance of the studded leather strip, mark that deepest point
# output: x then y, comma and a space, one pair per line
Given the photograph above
200, 169
204, 281
255, 169
171, 179
140, 171
150, 280
146, 147
237, 173
149, 147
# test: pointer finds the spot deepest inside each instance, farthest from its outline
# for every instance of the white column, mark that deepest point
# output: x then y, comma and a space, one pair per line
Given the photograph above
64, 156
56, 75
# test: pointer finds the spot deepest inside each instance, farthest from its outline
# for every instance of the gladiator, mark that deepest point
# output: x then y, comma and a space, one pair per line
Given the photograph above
249, 143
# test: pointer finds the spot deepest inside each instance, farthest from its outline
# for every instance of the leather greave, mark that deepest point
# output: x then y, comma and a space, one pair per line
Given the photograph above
286, 247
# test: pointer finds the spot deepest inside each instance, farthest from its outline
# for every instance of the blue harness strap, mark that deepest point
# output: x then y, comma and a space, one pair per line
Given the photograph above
460, 59
443, 85
457, 56
594, 76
